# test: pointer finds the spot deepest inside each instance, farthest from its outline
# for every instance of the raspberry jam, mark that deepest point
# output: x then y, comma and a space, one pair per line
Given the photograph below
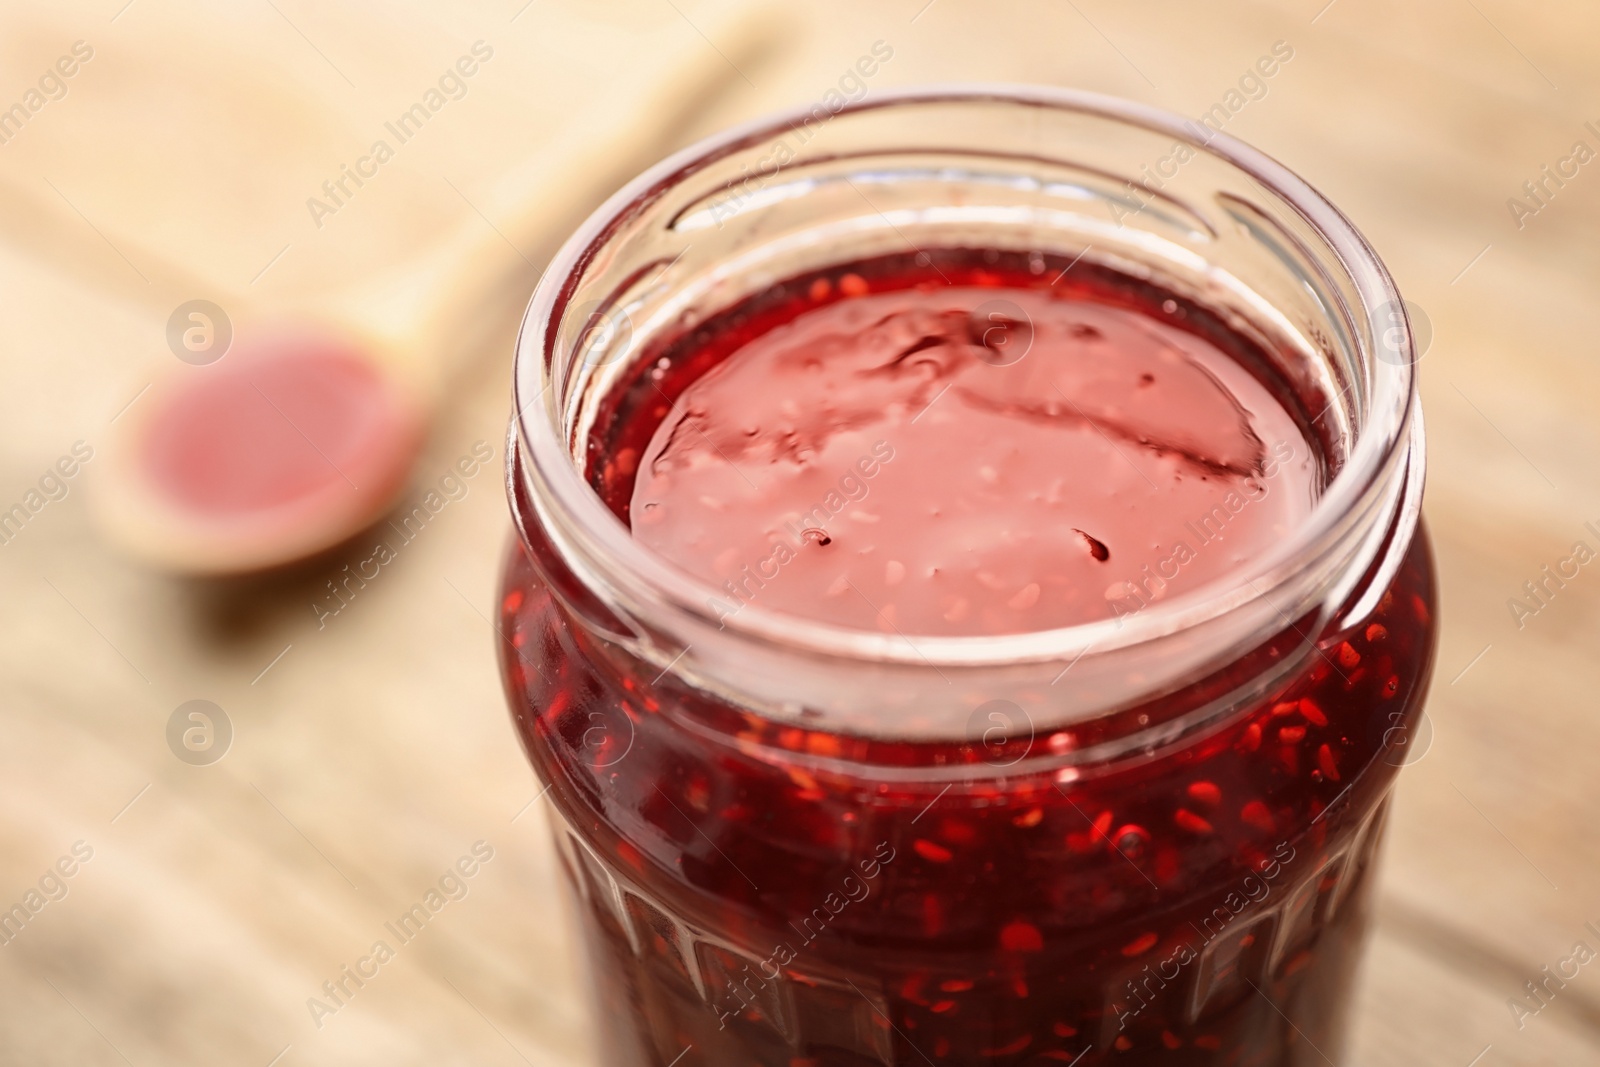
955, 443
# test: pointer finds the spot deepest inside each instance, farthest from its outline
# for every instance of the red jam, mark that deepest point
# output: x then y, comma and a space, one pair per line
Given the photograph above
974, 455
949, 444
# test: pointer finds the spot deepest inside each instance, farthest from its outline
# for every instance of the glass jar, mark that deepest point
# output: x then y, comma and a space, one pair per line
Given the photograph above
1147, 839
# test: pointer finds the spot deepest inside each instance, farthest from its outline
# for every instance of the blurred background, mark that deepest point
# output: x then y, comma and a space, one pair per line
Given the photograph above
183, 898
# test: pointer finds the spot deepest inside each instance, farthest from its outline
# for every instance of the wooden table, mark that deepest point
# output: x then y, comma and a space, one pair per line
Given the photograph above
369, 754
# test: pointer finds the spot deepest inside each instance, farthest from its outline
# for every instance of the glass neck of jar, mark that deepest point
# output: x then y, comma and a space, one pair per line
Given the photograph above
974, 169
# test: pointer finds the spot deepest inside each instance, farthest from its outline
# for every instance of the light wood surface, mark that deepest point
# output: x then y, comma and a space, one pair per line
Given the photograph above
370, 754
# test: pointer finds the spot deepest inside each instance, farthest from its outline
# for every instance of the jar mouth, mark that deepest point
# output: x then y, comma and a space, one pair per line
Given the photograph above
1371, 499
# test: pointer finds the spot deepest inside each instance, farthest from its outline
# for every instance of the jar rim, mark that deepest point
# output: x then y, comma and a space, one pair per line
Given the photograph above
624, 571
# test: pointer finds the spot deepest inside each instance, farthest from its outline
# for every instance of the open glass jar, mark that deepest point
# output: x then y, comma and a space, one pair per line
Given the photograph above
1140, 839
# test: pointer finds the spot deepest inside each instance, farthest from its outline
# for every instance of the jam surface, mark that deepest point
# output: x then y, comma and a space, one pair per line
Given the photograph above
979, 452
756, 892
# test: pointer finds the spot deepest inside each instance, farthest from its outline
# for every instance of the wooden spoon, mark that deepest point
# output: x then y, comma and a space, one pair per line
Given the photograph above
291, 405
